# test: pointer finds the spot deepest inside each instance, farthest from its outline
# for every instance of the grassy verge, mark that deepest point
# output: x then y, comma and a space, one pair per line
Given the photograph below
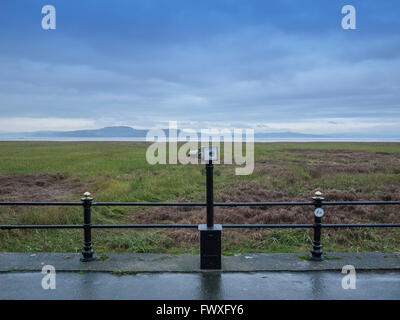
118, 171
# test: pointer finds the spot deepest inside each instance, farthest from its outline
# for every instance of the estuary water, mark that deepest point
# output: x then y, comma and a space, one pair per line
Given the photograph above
182, 140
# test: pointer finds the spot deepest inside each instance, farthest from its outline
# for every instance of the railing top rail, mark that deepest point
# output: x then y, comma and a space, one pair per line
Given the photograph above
306, 203
338, 203
44, 203
200, 204
150, 204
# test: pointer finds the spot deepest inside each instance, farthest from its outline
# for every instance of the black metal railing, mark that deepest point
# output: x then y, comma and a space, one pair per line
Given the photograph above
210, 233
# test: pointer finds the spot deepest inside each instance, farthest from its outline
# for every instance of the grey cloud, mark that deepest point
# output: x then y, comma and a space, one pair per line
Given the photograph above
252, 74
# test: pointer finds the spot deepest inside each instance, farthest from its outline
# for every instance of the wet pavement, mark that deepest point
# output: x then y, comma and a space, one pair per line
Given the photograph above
203, 286
151, 262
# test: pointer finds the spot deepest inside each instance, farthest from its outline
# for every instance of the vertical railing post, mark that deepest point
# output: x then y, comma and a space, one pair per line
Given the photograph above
316, 252
210, 193
87, 252
210, 233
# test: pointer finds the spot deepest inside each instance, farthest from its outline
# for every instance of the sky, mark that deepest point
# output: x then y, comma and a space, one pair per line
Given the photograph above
268, 65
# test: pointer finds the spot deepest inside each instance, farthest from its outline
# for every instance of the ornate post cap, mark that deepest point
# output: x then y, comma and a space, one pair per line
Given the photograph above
318, 196
87, 196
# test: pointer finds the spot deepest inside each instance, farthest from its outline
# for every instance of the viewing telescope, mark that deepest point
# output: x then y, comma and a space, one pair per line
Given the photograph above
204, 153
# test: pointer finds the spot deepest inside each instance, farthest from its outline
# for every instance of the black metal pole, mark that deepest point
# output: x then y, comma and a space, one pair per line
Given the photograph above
210, 193
87, 252
316, 252
210, 233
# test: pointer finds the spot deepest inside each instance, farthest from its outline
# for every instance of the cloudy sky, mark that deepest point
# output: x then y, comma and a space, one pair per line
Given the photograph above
269, 65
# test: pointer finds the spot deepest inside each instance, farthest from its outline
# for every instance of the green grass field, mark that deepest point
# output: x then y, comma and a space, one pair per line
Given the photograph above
118, 171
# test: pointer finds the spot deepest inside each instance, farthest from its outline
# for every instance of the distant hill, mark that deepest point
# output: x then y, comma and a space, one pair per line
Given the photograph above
107, 132
287, 135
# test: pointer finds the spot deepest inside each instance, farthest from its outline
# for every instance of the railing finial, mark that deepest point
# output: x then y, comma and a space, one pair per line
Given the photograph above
318, 195
87, 194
